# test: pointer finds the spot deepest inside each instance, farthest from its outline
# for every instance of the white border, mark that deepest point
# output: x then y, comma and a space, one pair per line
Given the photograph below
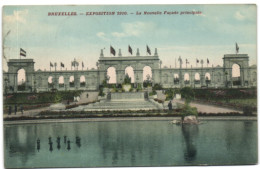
82, 2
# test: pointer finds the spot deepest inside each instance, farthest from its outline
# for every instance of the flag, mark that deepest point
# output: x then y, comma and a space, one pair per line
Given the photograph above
51, 65
61, 64
148, 50
187, 62
112, 50
22, 52
130, 49
207, 61
82, 64
197, 60
237, 48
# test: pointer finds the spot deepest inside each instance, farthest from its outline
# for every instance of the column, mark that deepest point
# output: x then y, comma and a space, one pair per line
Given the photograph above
66, 83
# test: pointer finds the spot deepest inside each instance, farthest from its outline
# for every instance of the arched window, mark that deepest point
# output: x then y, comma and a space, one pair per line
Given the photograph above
61, 81
130, 72
197, 77
21, 79
186, 77
72, 81
111, 75
176, 78
236, 75
82, 81
207, 76
50, 82
235, 70
147, 73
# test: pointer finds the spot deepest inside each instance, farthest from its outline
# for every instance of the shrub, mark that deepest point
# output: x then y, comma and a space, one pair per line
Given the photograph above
247, 110
157, 87
189, 111
188, 94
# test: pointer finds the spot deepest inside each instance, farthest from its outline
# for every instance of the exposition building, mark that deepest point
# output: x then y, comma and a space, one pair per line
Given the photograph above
197, 77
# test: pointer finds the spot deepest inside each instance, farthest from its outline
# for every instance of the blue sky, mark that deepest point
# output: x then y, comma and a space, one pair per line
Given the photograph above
63, 38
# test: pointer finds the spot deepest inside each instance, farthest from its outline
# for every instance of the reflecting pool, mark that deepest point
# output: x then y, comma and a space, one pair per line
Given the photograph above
130, 143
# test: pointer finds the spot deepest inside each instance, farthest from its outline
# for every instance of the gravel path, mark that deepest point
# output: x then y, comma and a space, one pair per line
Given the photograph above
205, 108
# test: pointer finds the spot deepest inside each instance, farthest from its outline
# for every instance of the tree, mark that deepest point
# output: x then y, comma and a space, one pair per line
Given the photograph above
127, 79
188, 94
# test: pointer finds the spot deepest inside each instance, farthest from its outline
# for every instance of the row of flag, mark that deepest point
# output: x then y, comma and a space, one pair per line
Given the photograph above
130, 50
113, 52
73, 64
197, 61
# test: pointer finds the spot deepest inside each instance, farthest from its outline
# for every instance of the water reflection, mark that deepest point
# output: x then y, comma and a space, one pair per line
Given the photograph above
78, 141
190, 133
68, 145
142, 143
58, 143
65, 139
38, 145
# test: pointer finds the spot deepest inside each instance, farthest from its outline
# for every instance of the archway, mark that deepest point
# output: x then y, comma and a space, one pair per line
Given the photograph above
130, 72
71, 81
50, 82
236, 78
111, 75
186, 78
82, 81
176, 78
197, 78
207, 78
61, 81
21, 79
147, 76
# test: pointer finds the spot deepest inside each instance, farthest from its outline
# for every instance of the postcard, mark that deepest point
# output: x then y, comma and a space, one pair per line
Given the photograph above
129, 85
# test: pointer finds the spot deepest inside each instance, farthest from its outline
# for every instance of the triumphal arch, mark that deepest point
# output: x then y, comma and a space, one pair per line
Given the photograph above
201, 76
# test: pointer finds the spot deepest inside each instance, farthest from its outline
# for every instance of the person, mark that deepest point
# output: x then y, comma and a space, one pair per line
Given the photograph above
15, 109
21, 108
10, 110
68, 102
87, 95
170, 105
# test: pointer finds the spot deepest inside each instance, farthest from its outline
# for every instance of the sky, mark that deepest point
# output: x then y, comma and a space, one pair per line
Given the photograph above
208, 35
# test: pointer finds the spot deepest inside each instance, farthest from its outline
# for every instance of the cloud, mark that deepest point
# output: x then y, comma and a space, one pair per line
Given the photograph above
102, 35
239, 16
17, 16
134, 29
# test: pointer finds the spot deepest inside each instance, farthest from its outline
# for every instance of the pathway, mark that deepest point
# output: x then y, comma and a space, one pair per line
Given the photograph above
206, 108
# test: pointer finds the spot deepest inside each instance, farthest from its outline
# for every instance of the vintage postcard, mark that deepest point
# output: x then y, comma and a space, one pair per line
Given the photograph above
129, 85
